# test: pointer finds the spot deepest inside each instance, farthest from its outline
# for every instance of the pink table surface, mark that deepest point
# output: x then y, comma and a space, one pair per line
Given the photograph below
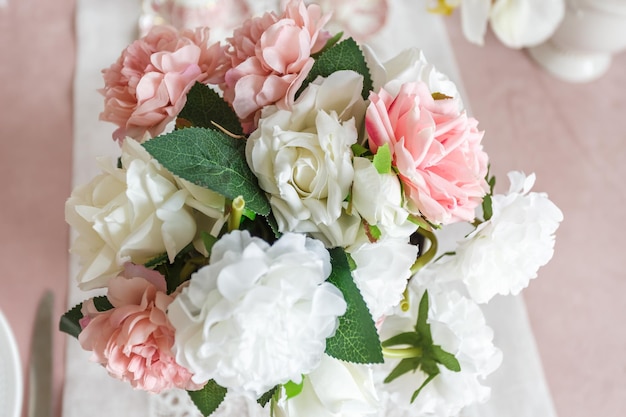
568, 134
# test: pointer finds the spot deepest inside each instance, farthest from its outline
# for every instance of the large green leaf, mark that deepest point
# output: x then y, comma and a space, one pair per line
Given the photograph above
211, 159
205, 108
356, 339
346, 55
208, 398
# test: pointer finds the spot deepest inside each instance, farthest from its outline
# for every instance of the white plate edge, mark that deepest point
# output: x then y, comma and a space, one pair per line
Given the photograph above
17, 366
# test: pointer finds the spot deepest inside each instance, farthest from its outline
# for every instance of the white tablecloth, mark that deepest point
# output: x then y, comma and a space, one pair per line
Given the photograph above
103, 29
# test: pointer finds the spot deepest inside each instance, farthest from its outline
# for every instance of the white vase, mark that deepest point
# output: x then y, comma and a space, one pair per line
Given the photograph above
581, 49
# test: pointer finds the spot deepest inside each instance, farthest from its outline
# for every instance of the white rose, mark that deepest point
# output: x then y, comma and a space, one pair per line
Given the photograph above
132, 214
503, 254
257, 315
382, 271
458, 325
409, 65
378, 199
302, 157
334, 389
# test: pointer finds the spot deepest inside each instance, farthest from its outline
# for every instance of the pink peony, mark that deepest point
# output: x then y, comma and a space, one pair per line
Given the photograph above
134, 340
436, 149
147, 87
270, 56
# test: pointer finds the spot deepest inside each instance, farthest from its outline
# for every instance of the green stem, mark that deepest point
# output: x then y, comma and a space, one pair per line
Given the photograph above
428, 256
236, 211
412, 352
404, 304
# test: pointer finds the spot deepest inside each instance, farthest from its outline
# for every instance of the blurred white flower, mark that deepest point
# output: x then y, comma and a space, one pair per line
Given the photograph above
504, 253
334, 389
135, 213
458, 325
303, 160
257, 315
516, 23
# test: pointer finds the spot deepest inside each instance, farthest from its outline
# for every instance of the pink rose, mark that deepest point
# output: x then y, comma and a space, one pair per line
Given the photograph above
436, 149
134, 340
270, 56
147, 87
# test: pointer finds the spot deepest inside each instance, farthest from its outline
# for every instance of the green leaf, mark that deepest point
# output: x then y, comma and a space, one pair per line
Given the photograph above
382, 159
359, 150
208, 240
446, 359
205, 108
70, 321
265, 398
408, 338
329, 44
416, 393
422, 327
487, 207
405, 365
440, 96
102, 303
356, 339
210, 159
374, 231
429, 365
156, 261
208, 398
292, 389
346, 55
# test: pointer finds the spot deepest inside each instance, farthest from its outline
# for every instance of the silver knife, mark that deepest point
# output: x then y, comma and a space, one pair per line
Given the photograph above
40, 366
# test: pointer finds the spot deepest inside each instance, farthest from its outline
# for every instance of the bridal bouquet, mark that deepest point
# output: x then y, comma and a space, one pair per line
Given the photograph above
269, 230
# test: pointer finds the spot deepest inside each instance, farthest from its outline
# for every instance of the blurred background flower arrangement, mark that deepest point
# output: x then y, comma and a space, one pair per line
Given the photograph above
269, 232
516, 23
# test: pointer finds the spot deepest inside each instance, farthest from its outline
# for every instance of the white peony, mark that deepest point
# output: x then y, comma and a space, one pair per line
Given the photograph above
135, 213
382, 271
257, 315
458, 325
409, 65
302, 157
503, 254
516, 23
334, 389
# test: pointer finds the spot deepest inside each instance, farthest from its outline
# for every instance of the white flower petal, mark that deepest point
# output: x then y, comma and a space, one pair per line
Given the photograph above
474, 19
133, 214
525, 23
257, 315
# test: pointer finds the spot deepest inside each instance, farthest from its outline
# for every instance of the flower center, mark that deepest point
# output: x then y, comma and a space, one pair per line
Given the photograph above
304, 173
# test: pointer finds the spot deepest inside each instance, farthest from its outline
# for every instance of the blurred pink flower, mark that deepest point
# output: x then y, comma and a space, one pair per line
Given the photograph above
436, 149
147, 87
222, 16
134, 340
359, 19
270, 56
